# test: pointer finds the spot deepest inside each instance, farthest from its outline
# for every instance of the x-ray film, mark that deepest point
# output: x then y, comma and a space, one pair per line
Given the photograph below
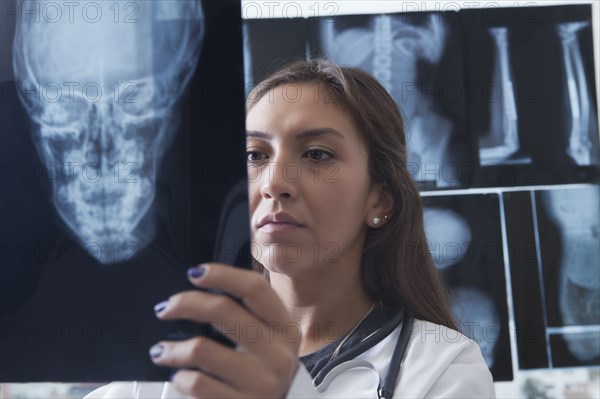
569, 234
414, 56
525, 272
271, 43
533, 121
123, 164
575, 349
411, 55
482, 105
465, 240
554, 246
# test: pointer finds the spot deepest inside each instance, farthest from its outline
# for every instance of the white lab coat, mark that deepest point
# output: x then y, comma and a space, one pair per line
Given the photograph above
439, 363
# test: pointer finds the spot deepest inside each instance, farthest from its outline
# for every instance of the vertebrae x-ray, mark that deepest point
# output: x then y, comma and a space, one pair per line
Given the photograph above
391, 47
107, 132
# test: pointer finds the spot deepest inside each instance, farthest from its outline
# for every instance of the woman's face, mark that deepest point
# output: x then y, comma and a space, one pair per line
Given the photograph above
308, 173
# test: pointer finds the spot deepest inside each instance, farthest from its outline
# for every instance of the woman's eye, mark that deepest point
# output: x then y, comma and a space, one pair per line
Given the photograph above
254, 156
319, 155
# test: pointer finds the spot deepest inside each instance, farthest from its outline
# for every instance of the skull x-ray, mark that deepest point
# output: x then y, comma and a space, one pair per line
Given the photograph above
404, 51
108, 132
464, 237
122, 164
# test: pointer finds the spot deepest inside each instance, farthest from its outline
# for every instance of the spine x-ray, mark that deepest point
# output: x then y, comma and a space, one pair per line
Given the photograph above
405, 52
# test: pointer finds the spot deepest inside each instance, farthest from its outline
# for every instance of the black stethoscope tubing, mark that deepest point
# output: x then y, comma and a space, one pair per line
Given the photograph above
386, 389
389, 384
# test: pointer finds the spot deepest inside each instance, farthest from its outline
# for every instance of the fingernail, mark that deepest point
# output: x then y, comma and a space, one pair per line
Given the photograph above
161, 306
196, 272
156, 351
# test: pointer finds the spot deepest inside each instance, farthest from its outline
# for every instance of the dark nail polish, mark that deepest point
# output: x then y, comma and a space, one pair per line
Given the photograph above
196, 272
161, 306
156, 351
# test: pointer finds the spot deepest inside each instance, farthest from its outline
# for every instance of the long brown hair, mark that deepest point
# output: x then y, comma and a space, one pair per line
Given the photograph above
397, 267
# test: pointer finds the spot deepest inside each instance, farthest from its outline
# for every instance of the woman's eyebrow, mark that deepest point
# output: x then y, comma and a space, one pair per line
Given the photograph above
257, 134
319, 132
301, 135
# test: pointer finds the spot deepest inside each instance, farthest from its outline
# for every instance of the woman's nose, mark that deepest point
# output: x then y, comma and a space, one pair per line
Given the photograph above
279, 181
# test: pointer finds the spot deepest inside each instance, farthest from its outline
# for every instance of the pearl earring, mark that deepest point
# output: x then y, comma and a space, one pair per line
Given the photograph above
376, 220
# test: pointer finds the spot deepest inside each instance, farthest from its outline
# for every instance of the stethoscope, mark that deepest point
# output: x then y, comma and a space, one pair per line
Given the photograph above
387, 386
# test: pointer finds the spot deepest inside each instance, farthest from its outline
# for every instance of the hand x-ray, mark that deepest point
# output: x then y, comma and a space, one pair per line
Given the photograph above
122, 166
465, 241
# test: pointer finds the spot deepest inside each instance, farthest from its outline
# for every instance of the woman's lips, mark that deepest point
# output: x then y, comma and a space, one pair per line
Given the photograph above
279, 227
278, 223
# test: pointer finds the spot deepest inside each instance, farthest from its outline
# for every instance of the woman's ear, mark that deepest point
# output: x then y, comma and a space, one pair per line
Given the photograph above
380, 206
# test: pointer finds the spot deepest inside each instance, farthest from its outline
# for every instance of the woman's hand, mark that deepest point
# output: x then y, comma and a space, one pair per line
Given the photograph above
265, 360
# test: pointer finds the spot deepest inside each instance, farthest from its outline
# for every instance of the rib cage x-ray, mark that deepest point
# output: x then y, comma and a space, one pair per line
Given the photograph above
576, 213
391, 47
108, 131
583, 131
500, 143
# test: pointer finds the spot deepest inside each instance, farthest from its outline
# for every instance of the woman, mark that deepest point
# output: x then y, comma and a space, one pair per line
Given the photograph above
347, 282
